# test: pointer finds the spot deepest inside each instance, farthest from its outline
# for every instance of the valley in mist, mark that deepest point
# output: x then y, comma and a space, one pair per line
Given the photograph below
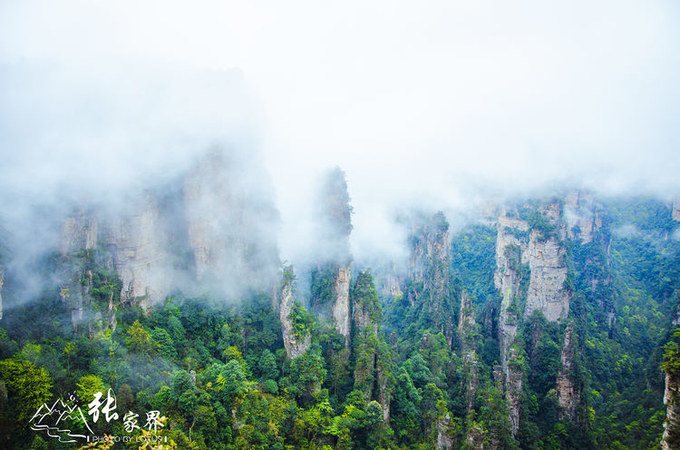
296, 225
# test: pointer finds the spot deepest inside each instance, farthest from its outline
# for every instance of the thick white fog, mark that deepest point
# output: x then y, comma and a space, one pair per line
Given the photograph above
433, 104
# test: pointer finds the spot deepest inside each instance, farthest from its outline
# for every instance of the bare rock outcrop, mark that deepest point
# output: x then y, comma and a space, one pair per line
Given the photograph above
429, 271
582, 217
547, 291
391, 287
342, 314
510, 254
140, 255
466, 333
531, 275
444, 440
513, 390
132, 245
475, 438
372, 361
78, 239
567, 394
296, 344
671, 398
331, 277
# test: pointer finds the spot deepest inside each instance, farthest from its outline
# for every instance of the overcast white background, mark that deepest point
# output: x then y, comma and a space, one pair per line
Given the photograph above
427, 103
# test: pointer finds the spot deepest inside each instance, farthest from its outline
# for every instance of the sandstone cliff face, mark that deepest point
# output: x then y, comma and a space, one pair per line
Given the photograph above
475, 438
211, 225
133, 245
341, 308
138, 241
333, 256
567, 395
444, 441
207, 197
466, 332
582, 217
547, 292
370, 376
429, 263
384, 394
511, 257
78, 236
79, 232
537, 254
513, 391
586, 222
370, 371
466, 320
507, 278
227, 217
391, 287
671, 398
295, 345
363, 319
546, 258
429, 271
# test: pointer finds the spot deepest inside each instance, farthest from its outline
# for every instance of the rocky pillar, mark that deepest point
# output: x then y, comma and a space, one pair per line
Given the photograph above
567, 394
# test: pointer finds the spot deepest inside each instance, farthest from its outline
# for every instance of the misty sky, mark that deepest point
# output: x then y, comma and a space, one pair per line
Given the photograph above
421, 103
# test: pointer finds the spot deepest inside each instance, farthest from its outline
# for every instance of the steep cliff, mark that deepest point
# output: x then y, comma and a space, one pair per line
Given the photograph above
429, 261
567, 393
371, 352
334, 218
444, 440
208, 230
582, 215
676, 210
342, 313
139, 243
513, 388
391, 285
229, 217
547, 257
530, 247
467, 330
130, 247
671, 398
365, 304
296, 338
510, 279
547, 290
532, 275
588, 225
331, 277
78, 244
510, 271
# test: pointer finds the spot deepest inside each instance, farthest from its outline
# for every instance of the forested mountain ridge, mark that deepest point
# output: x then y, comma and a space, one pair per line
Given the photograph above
541, 324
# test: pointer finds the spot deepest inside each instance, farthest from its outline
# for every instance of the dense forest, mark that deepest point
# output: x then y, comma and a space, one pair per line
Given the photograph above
543, 324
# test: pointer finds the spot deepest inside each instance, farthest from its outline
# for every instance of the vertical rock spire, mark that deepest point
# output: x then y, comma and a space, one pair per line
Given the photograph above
331, 277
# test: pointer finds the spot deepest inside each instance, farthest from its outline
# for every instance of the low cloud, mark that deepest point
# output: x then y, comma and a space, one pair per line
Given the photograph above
444, 106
